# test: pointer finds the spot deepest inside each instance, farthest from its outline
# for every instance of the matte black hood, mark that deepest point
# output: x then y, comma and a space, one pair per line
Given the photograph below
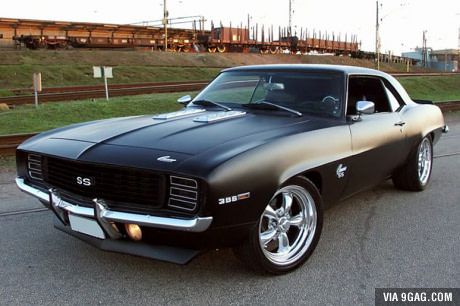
145, 139
181, 135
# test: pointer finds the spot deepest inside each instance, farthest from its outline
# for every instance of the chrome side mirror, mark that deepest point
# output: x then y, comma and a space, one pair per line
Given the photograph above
184, 100
365, 107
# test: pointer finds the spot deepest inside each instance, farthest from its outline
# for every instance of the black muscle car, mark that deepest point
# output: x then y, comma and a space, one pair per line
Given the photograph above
249, 163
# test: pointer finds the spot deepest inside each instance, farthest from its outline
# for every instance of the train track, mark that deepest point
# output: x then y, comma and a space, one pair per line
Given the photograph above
85, 92
8, 143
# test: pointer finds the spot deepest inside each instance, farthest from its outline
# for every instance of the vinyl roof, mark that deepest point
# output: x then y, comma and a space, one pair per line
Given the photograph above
310, 67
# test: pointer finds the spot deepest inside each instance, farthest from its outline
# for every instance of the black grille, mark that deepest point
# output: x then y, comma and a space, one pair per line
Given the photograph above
120, 185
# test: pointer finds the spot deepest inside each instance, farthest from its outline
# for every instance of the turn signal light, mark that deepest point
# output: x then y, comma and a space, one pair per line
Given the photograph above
134, 231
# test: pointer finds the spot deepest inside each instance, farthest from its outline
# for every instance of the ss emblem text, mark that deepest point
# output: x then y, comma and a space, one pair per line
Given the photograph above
84, 181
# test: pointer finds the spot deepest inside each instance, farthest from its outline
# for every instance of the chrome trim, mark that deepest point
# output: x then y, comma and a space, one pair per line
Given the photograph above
34, 167
110, 228
36, 175
424, 161
219, 116
181, 113
171, 193
34, 157
184, 99
365, 107
185, 179
56, 205
182, 207
175, 181
197, 224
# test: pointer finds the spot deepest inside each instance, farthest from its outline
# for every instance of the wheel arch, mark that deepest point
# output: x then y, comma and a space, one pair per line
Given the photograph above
316, 178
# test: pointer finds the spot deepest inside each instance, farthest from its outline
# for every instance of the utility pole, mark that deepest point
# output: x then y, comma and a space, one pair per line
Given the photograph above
165, 23
424, 50
290, 18
377, 35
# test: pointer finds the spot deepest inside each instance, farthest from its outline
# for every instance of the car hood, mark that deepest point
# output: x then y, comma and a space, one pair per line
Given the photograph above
129, 140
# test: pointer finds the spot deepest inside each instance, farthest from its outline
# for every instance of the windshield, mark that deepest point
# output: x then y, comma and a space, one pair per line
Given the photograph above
317, 93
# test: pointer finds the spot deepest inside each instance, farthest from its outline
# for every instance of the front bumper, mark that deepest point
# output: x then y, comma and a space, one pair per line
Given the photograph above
104, 216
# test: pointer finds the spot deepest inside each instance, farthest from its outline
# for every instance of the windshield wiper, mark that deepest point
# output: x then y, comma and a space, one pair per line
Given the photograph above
254, 105
209, 102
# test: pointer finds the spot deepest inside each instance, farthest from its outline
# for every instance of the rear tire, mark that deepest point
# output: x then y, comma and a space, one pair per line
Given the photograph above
288, 230
416, 173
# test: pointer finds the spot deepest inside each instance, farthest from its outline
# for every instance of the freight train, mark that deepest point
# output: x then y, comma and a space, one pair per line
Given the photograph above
36, 34
220, 40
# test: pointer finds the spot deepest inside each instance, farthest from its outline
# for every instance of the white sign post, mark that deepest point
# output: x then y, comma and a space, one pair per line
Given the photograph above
106, 73
37, 78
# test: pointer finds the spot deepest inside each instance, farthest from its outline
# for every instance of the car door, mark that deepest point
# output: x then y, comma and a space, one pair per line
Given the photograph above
378, 139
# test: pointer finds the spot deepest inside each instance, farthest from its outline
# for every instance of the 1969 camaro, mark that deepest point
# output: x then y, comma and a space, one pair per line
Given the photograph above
249, 163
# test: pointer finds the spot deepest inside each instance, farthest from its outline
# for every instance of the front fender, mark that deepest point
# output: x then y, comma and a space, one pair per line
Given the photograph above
262, 170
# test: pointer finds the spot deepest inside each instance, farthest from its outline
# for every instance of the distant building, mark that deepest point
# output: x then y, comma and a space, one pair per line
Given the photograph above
445, 60
442, 60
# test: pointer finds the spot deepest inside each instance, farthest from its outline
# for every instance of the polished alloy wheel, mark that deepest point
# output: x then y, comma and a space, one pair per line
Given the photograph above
288, 225
424, 161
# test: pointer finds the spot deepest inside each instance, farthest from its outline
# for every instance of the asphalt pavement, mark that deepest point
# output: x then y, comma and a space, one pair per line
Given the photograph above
380, 238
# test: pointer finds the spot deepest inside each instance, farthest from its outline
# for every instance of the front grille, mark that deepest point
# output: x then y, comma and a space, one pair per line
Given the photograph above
120, 185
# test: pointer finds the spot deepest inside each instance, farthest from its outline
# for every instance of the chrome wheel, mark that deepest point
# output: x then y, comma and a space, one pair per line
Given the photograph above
287, 226
424, 161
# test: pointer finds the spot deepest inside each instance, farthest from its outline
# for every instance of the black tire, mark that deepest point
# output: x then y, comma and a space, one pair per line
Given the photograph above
416, 173
301, 223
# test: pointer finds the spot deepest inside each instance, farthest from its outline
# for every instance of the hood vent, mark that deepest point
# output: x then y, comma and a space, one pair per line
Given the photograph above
219, 116
182, 113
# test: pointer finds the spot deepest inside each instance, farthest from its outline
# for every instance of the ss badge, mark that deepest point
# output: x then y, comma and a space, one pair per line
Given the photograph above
85, 181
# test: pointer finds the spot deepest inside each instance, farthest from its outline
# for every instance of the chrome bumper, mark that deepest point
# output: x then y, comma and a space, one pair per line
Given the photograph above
104, 216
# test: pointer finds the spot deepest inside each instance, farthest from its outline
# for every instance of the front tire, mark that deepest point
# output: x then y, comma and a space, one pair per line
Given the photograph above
416, 173
288, 229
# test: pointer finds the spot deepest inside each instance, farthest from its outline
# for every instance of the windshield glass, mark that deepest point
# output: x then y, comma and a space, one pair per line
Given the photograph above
317, 93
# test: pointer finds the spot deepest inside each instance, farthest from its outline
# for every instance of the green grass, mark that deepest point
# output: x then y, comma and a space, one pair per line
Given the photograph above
20, 76
26, 119
5, 93
435, 88
74, 67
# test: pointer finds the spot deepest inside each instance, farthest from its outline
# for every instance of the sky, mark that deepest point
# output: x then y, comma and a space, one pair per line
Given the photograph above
401, 26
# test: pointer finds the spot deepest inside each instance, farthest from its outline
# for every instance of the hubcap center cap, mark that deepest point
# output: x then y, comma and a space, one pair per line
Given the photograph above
283, 224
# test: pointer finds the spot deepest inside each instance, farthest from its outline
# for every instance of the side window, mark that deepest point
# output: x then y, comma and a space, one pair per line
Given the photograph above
363, 88
394, 103
395, 99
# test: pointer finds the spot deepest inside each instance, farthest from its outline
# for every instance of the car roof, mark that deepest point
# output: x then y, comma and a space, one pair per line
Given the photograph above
310, 67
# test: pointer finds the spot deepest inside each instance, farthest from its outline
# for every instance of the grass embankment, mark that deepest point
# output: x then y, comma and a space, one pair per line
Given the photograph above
27, 119
440, 88
74, 67
74, 75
